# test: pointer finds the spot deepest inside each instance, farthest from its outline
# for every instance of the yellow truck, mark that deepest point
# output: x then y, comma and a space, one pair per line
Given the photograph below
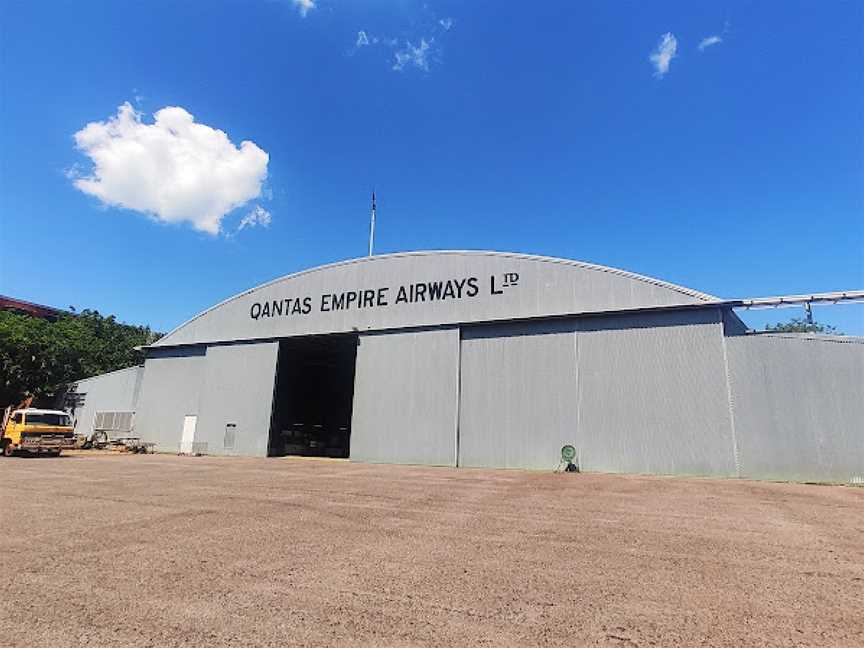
38, 431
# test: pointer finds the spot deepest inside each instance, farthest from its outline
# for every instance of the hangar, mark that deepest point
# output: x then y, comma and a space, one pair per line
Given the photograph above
488, 359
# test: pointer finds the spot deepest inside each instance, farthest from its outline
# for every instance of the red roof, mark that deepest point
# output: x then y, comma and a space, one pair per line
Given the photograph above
29, 308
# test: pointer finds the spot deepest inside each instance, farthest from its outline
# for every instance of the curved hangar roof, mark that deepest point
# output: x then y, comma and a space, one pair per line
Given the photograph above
425, 289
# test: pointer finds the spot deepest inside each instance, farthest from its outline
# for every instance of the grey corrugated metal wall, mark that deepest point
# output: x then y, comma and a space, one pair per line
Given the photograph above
237, 389
115, 391
405, 398
653, 396
639, 393
541, 287
517, 394
798, 405
171, 389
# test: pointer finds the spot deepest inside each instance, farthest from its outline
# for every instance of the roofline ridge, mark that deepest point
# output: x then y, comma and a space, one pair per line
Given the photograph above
393, 255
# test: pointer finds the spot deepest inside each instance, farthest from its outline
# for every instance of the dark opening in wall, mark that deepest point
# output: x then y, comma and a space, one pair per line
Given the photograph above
313, 397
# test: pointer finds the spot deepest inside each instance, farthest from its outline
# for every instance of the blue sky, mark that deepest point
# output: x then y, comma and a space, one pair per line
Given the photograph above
545, 128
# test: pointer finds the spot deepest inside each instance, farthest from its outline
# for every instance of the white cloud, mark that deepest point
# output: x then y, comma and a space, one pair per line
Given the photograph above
304, 6
663, 55
709, 41
403, 53
173, 169
411, 55
258, 216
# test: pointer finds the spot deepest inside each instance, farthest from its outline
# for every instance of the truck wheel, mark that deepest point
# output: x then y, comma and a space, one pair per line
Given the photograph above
8, 450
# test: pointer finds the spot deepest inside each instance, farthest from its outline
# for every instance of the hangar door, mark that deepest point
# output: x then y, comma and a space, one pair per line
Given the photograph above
518, 394
405, 397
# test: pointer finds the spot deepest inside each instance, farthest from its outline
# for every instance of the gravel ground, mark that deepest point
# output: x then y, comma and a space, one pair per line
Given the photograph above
131, 550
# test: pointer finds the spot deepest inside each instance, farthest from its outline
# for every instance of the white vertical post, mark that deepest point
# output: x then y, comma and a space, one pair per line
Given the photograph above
372, 226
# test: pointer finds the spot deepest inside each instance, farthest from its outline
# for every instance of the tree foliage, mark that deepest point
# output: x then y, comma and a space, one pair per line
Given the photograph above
40, 357
800, 325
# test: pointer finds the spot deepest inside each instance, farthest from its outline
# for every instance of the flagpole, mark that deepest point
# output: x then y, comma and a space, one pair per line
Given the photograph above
372, 226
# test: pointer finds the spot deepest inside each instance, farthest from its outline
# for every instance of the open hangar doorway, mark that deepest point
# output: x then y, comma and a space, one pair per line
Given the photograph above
313, 397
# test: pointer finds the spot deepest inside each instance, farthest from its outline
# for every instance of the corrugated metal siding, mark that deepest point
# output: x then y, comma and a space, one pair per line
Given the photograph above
653, 396
799, 406
115, 391
405, 398
237, 388
170, 390
517, 396
545, 287
638, 393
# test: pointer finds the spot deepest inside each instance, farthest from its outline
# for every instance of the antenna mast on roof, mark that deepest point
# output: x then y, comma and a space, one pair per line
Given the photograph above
372, 226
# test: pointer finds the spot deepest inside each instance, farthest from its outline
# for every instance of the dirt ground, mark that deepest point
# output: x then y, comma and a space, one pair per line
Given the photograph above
113, 550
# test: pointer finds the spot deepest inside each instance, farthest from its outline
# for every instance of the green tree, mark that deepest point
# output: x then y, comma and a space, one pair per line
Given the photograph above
800, 325
41, 357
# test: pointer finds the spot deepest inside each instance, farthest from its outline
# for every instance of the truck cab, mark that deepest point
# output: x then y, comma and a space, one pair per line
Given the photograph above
38, 431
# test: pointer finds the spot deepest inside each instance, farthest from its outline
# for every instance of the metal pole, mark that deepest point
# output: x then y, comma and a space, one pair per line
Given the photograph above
372, 226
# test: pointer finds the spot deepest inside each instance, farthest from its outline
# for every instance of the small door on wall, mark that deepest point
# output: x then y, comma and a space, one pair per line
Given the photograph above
187, 440
230, 439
